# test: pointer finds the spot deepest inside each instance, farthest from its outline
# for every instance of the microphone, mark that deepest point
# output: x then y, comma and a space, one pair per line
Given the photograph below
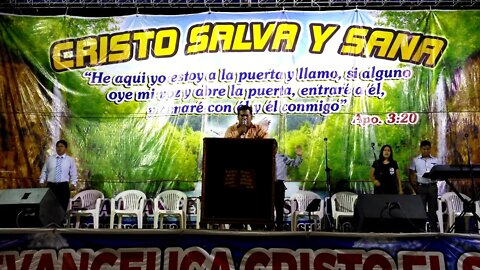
373, 146
466, 135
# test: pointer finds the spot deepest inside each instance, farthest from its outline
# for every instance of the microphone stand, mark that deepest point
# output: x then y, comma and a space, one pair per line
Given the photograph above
329, 187
375, 160
468, 205
471, 204
470, 167
327, 169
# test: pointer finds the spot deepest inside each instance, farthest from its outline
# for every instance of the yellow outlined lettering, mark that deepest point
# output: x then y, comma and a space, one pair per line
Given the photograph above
415, 48
61, 55
429, 51
120, 48
222, 37
354, 41
285, 37
166, 43
114, 48
320, 34
379, 43
239, 42
403, 46
242, 37
143, 40
86, 52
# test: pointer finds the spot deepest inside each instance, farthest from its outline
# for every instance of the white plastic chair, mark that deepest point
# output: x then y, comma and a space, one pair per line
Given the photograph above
174, 203
198, 203
85, 203
477, 211
127, 203
343, 205
440, 213
299, 202
455, 207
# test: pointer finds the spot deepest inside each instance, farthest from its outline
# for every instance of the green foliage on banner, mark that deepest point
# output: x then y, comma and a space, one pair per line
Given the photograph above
118, 146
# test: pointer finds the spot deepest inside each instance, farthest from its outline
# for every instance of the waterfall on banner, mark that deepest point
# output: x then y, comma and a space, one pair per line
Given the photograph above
441, 117
440, 106
55, 123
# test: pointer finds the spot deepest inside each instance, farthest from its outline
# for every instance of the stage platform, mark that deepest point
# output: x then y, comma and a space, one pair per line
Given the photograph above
214, 249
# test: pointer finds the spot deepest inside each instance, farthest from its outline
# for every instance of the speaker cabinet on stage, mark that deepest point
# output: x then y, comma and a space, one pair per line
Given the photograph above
238, 181
29, 207
390, 213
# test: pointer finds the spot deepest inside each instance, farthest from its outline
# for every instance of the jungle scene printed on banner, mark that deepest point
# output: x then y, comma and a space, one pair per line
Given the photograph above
135, 95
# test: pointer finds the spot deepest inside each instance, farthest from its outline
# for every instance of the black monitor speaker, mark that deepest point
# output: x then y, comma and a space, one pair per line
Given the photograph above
390, 213
30, 207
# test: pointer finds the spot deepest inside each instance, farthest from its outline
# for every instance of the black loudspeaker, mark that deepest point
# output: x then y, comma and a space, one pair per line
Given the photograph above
30, 207
390, 213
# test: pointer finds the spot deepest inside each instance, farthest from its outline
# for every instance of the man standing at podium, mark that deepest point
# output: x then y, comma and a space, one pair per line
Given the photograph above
244, 128
422, 184
58, 171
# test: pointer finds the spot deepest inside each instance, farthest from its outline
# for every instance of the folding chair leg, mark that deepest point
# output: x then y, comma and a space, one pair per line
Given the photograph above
120, 217
294, 222
95, 221
155, 221
77, 221
112, 220
140, 221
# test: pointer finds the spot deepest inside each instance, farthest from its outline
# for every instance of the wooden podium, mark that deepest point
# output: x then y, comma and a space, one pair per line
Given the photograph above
238, 181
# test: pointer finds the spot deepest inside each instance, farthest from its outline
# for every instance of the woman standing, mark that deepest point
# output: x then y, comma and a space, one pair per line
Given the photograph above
385, 174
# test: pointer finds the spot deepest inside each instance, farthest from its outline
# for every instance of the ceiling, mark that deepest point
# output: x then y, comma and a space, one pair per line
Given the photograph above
123, 7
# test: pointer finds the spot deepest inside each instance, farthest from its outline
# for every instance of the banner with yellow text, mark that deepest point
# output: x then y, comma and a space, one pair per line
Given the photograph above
134, 96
